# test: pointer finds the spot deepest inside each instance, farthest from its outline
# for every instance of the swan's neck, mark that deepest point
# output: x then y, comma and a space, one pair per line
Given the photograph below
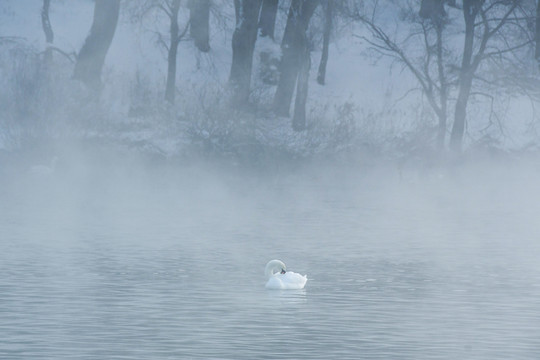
273, 267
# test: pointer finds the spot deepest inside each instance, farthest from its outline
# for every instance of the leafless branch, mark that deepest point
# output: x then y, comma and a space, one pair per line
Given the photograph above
183, 33
161, 40
488, 33
507, 50
70, 56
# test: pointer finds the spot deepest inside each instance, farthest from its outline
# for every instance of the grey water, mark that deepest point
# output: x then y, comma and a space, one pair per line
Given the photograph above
167, 262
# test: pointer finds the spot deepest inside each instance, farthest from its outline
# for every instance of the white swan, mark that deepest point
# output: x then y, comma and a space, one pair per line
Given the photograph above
280, 278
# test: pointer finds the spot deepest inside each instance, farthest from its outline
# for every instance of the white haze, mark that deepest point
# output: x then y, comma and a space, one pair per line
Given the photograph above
441, 262
111, 251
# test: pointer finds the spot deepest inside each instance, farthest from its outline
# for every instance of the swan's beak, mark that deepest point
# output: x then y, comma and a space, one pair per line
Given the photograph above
283, 271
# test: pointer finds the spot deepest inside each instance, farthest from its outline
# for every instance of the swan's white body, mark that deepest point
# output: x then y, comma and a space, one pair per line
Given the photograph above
279, 278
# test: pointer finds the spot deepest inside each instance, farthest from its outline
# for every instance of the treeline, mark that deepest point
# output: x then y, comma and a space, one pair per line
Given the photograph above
457, 51
460, 50
254, 18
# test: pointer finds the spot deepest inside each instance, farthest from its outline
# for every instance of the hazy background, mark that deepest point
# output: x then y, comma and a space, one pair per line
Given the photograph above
132, 227
123, 257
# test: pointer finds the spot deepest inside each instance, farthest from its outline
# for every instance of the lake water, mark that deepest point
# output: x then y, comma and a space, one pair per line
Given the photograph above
167, 263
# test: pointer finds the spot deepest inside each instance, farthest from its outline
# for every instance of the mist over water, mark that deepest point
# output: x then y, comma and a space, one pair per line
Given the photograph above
155, 155
117, 255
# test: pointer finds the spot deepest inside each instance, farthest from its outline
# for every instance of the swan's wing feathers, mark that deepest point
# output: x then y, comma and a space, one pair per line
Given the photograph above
289, 280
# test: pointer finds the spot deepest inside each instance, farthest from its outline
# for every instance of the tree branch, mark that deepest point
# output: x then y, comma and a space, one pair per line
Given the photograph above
183, 33
70, 56
488, 34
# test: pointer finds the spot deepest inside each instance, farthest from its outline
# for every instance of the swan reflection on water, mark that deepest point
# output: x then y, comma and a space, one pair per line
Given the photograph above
288, 297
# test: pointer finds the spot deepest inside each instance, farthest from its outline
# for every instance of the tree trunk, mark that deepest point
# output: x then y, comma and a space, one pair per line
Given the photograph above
460, 114
443, 92
47, 29
267, 19
537, 34
321, 76
432, 9
269, 62
199, 19
470, 10
243, 45
299, 117
294, 41
92, 55
170, 87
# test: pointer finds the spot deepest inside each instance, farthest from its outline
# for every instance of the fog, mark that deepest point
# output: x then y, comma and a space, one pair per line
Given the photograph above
124, 255
149, 172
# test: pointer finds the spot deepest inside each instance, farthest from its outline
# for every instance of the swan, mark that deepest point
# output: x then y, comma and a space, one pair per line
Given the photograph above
280, 278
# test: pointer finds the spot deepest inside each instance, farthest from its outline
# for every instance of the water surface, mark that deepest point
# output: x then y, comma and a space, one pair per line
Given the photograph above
167, 263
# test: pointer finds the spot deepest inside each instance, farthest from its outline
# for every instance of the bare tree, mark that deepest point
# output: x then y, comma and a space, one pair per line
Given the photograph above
199, 22
484, 43
295, 49
171, 8
299, 116
157, 11
269, 60
267, 19
243, 45
92, 55
494, 15
47, 29
424, 32
433, 11
328, 15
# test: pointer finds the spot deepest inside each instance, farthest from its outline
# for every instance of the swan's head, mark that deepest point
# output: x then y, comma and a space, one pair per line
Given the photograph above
273, 267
